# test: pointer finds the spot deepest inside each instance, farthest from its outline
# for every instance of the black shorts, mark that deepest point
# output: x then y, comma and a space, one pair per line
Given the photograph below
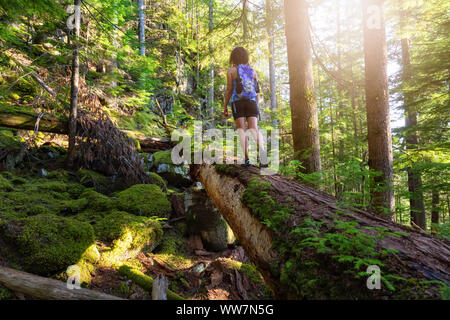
244, 109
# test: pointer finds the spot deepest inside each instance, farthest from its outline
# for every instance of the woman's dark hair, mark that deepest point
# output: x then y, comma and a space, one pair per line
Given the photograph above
239, 56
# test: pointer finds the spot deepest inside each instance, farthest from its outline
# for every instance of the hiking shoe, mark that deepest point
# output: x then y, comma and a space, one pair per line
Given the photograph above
263, 165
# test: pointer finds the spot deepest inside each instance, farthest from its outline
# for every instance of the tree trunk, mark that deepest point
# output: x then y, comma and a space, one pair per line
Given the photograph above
74, 88
211, 68
435, 206
293, 270
141, 4
377, 107
271, 47
244, 21
45, 288
305, 123
417, 207
23, 120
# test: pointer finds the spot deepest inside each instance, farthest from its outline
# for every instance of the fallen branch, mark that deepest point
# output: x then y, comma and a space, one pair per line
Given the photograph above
45, 288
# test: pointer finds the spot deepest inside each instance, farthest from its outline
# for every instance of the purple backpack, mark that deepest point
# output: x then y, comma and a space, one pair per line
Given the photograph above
247, 86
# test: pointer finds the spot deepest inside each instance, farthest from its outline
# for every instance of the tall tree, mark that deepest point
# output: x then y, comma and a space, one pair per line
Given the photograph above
305, 123
271, 47
74, 86
416, 204
211, 68
141, 4
377, 107
244, 21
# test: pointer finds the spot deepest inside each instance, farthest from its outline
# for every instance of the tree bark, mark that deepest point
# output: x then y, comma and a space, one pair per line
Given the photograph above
74, 89
211, 68
305, 123
435, 206
271, 47
377, 107
141, 4
416, 204
418, 256
45, 288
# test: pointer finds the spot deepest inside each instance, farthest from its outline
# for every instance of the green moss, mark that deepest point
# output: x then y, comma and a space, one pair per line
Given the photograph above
144, 200
253, 274
144, 281
162, 157
272, 214
89, 178
47, 243
5, 185
128, 235
5, 294
156, 179
171, 251
97, 201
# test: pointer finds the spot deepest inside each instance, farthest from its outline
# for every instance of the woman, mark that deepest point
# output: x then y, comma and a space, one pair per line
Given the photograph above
244, 100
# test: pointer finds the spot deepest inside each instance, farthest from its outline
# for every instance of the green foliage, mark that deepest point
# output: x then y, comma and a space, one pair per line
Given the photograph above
271, 213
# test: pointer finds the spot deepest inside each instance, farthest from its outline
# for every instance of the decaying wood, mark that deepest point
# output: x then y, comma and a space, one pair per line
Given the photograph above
418, 256
25, 120
159, 291
45, 288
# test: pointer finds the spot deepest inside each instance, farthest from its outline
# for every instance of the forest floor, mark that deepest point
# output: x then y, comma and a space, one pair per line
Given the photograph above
192, 271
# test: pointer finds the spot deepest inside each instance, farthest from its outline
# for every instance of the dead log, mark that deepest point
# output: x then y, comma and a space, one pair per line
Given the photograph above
45, 288
314, 251
25, 120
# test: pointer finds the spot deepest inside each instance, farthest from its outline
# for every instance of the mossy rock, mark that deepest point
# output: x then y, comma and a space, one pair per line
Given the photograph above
177, 175
93, 179
156, 179
144, 200
127, 235
97, 201
47, 243
162, 157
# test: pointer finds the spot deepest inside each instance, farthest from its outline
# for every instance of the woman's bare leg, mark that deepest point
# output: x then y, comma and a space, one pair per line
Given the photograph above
253, 127
241, 129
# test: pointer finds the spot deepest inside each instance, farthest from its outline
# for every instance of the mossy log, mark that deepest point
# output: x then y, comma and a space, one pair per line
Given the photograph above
45, 288
144, 281
23, 119
307, 246
16, 118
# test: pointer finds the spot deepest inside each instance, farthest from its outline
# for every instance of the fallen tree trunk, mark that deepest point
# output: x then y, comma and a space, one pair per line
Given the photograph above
26, 120
308, 247
45, 288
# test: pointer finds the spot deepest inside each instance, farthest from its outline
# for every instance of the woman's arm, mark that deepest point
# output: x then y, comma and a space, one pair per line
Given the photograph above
228, 92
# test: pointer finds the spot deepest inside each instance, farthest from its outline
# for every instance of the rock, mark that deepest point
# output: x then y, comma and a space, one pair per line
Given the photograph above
127, 235
203, 219
156, 179
144, 200
176, 175
45, 243
43, 173
147, 160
